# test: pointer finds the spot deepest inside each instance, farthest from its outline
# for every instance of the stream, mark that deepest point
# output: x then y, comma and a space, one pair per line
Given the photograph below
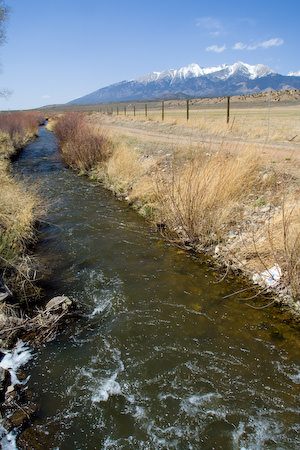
158, 359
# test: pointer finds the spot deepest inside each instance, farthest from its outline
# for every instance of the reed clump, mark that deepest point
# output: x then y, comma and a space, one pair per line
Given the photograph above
82, 146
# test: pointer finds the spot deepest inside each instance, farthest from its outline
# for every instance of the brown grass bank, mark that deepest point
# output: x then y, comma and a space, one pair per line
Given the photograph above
18, 212
230, 202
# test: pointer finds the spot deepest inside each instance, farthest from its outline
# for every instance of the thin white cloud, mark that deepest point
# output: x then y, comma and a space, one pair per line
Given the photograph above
210, 24
5, 93
45, 96
239, 46
275, 42
215, 33
216, 48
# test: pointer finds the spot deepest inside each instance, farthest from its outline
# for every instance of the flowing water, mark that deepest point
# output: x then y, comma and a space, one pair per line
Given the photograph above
159, 359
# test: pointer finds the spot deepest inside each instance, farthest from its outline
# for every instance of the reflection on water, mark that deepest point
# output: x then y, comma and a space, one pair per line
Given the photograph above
159, 359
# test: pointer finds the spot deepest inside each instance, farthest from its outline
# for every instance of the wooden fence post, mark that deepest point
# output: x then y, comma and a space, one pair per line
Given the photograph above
228, 109
117, 110
146, 110
134, 111
187, 110
124, 110
163, 111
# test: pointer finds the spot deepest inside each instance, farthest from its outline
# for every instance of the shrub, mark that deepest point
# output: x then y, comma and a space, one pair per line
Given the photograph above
82, 146
20, 126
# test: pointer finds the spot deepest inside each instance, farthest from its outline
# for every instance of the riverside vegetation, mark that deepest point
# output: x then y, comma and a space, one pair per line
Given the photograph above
228, 202
20, 209
22, 314
18, 205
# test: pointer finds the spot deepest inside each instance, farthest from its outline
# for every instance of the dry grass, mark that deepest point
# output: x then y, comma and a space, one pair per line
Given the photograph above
18, 210
203, 199
276, 124
128, 171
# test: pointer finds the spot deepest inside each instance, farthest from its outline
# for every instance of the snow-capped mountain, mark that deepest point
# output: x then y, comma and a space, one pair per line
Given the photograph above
294, 74
195, 81
222, 72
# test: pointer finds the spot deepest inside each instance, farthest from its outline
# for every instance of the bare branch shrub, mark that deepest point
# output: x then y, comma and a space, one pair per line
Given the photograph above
82, 146
20, 126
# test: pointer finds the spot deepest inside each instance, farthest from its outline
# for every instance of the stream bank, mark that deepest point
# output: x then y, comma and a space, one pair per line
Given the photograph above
25, 313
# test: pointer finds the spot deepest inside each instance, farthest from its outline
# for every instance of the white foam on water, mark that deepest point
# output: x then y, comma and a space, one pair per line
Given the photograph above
7, 440
108, 386
167, 395
195, 403
102, 307
104, 294
294, 377
140, 413
255, 434
157, 436
14, 359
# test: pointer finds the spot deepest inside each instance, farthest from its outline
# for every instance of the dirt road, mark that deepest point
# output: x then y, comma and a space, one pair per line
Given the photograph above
159, 137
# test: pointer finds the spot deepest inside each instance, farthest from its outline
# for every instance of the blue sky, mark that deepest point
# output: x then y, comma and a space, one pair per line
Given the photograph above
62, 49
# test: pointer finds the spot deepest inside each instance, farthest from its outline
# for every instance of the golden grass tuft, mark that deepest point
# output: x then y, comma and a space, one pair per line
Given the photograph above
128, 170
201, 200
18, 213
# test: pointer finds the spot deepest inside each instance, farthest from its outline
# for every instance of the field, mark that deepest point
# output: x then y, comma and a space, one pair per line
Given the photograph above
263, 117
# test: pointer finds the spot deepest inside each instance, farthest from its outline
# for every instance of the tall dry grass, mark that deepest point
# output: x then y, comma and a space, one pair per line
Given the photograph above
18, 205
201, 200
129, 172
82, 146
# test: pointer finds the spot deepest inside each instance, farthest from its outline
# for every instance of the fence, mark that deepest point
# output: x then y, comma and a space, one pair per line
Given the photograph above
259, 116
272, 115
139, 109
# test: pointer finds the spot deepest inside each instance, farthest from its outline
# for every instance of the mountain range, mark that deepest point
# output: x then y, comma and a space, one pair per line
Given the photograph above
195, 81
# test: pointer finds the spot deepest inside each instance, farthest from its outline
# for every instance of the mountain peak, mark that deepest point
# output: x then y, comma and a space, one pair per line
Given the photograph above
294, 74
196, 81
194, 70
